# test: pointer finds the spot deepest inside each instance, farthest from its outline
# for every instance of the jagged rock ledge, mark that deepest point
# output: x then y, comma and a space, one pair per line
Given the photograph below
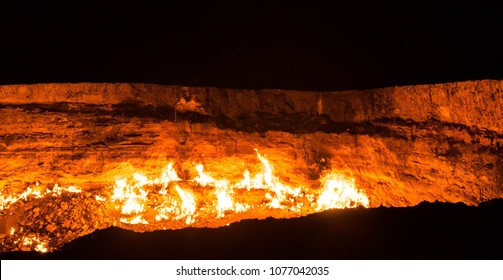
474, 104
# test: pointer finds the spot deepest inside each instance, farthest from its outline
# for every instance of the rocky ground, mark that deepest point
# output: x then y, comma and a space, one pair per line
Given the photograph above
426, 231
46, 224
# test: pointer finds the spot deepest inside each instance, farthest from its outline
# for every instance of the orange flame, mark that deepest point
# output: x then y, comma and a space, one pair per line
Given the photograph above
177, 203
36, 191
340, 192
204, 198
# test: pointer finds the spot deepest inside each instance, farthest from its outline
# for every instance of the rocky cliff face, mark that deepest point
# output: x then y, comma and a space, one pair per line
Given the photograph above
418, 143
400, 145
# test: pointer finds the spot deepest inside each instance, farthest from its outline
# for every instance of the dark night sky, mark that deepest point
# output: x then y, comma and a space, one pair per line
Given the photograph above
313, 45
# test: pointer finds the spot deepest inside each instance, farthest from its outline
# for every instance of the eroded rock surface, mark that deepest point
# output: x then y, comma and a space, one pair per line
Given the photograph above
402, 145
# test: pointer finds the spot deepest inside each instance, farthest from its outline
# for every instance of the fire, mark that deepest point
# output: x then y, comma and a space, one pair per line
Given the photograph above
35, 192
205, 195
168, 197
340, 192
134, 221
132, 196
223, 192
41, 247
170, 200
33, 242
188, 207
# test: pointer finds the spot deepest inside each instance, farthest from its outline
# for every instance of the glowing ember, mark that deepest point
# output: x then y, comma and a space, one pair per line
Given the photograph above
134, 221
40, 246
100, 198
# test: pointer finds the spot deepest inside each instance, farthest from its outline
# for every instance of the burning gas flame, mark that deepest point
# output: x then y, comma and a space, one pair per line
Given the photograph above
33, 242
200, 200
36, 192
177, 199
174, 202
339, 192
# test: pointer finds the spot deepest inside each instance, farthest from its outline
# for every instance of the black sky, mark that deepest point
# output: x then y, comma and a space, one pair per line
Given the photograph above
311, 45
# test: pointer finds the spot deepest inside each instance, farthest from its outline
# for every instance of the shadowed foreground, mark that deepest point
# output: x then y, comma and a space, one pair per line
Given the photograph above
426, 231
